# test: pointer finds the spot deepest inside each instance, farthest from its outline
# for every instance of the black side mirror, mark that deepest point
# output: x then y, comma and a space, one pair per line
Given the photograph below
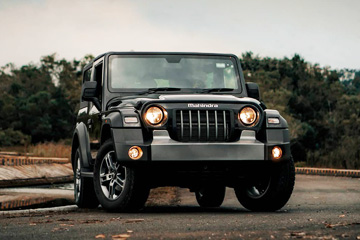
89, 93
253, 90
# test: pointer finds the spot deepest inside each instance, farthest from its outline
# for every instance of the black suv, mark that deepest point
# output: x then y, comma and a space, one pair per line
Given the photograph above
177, 119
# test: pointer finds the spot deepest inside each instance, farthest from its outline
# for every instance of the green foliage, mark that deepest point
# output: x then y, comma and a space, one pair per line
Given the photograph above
10, 137
322, 112
39, 102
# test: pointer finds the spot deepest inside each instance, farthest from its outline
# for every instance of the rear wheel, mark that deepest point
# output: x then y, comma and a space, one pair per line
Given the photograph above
84, 193
117, 187
210, 196
269, 192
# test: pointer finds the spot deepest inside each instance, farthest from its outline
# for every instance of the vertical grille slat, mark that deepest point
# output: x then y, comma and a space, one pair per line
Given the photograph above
199, 125
182, 124
202, 125
225, 135
207, 126
216, 126
190, 122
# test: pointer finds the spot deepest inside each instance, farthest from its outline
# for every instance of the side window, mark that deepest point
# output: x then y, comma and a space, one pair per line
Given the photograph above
86, 78
98, 78
87, 75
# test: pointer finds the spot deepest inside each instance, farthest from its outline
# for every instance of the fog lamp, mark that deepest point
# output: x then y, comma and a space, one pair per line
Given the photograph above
135, 153
276, 152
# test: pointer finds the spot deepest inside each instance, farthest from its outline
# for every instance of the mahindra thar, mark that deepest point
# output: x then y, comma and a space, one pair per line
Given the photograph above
190, 120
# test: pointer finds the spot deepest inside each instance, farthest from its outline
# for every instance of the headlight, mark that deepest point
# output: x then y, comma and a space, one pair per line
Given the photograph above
155, 116
248, 116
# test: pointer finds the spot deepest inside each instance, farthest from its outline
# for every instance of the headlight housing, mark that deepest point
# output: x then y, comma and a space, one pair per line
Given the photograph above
155, 116
248, 116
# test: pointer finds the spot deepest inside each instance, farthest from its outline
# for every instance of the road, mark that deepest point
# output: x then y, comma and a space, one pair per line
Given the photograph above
320, 208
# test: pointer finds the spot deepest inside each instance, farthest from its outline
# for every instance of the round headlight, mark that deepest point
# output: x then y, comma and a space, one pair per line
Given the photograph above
248, 116
154, 115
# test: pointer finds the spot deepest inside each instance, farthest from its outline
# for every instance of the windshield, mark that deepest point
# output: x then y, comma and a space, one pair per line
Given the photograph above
172, 71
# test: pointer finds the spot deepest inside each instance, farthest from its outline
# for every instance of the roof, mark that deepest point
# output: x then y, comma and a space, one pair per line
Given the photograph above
159, 53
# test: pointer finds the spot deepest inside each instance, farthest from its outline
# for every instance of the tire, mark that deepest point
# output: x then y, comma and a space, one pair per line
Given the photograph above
271, 192
84, 193
120, 190
210, 196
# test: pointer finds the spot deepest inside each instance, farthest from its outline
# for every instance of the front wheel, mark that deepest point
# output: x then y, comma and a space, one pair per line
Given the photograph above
268, 192
117, 187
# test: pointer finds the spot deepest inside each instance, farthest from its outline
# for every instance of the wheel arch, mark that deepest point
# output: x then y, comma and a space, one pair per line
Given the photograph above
105, 133
81, 141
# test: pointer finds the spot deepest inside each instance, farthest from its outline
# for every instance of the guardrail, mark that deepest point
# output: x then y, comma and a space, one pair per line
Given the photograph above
10, 160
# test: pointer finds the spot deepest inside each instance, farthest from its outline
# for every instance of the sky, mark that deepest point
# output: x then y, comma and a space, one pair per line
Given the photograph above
326, 32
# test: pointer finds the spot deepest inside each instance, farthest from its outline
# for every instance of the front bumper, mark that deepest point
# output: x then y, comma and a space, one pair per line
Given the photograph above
163, 149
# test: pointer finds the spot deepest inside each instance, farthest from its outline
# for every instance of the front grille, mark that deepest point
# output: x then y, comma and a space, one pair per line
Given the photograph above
203, 125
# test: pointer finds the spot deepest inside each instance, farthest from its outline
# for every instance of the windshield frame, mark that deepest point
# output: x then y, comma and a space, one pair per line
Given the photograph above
163, 55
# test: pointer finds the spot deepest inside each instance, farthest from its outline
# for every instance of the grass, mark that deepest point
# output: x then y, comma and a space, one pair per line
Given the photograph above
50, 149
47, 149
301, 164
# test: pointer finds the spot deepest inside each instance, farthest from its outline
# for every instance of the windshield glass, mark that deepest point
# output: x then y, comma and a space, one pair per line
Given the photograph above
172, 71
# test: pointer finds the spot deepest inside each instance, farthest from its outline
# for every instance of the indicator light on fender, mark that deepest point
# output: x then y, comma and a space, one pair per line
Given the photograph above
131, 120
273, 121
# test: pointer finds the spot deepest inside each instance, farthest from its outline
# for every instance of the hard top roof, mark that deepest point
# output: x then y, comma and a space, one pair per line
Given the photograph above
159, 53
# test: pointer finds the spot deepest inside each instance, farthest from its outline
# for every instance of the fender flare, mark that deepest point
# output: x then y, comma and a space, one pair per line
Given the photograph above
83, 139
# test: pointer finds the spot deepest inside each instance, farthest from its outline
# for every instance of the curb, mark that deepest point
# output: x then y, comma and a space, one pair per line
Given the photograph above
328, 172
27, 212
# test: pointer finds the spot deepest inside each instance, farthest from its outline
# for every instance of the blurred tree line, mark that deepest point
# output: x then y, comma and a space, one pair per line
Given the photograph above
38, 102
323, 112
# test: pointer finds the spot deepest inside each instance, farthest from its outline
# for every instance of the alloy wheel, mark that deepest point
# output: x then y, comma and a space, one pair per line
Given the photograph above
112, 176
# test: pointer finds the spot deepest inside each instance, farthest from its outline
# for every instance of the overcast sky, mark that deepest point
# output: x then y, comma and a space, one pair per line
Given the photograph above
321, 31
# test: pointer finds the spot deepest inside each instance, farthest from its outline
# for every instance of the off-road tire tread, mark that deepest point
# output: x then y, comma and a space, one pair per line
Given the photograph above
279, 192
87, 198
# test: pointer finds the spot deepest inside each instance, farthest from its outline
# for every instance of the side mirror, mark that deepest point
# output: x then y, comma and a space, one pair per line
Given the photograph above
89, 93
253, 90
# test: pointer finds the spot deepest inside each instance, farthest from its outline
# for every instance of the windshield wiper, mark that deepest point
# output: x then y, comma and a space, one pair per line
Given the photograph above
154, 90
216, 90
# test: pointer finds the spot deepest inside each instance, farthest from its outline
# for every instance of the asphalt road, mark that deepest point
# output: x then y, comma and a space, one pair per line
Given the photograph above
320, 208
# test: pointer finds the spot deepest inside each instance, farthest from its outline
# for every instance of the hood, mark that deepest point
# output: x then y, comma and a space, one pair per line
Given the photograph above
138, 101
